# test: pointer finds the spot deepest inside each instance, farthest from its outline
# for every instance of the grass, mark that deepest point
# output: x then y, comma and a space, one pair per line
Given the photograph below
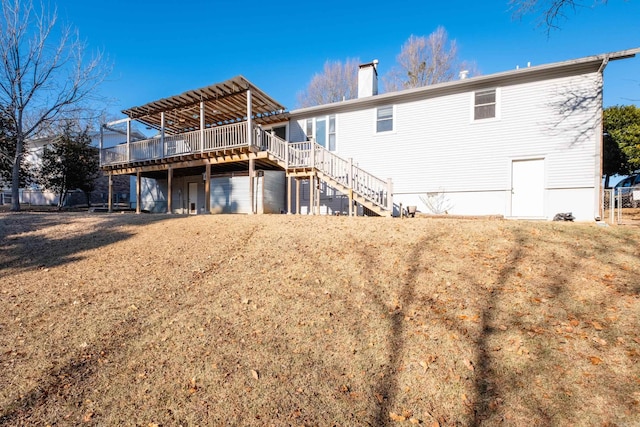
281, 320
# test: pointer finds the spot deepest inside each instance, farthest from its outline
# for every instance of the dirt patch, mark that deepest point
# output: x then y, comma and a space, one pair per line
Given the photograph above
286, 320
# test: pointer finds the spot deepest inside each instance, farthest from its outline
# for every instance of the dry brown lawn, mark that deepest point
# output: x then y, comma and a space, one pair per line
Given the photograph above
157, 320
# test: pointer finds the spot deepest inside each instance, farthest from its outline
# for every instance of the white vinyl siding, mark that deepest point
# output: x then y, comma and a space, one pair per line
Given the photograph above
435, 147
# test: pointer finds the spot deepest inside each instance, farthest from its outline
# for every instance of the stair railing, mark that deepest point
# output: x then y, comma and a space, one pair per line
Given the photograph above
342, 171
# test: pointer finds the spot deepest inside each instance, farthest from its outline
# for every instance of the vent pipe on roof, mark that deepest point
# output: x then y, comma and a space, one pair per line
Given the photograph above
463, 74
368, 79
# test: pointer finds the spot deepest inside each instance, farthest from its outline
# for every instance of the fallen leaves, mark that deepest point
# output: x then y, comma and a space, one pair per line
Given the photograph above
427, 361
395, 417
595, 360
597, 326
404, 416
306, 341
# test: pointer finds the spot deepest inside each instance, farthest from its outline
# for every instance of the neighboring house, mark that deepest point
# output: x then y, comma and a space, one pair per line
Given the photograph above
36, 195
525, 143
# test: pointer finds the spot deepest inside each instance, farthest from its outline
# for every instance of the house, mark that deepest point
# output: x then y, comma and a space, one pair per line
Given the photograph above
525, 143
36, 195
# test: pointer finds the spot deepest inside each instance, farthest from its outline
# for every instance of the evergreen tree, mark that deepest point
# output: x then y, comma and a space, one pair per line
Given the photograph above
70, 163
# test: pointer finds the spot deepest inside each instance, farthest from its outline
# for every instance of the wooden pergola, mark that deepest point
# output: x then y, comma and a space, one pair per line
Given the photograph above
232, 101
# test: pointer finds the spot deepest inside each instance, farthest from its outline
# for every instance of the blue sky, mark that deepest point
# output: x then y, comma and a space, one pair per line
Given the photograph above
161, 48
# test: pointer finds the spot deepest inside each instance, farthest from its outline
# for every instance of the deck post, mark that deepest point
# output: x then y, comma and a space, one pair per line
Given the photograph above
318, 190
289, 183
138, 191
350, 183
249, 121
170, 189
207, 188
162, 126
286, 156
202, 130
312, 194
297, 196
110, 195
312, 154
251, 184
390, 196
128, 140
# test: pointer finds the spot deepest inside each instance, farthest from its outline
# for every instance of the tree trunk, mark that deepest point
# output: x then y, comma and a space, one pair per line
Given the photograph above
15, 175
61, 197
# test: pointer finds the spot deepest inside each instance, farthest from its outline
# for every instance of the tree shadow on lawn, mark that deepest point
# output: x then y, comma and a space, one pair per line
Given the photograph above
513, 341
387, 388
23, 248
515, 387
69, 382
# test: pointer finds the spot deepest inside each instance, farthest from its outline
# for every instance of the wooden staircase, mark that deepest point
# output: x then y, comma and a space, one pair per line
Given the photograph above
313, 160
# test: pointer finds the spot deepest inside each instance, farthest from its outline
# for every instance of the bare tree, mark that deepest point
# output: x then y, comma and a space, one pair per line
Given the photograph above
550, 11
337, 82
425, 61
43, 75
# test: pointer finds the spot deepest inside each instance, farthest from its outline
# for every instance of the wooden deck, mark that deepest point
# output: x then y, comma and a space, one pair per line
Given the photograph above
232, 147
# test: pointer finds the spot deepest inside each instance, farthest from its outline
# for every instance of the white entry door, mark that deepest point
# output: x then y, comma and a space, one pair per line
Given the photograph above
527, 188
193, 198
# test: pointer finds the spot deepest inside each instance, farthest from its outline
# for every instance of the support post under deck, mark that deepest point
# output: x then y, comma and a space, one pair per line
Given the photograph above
297, 196
289, 183
318, 189
207, 188
110, 195
390, 196
169, 190
350, 178
312, 194
138, 191
251, 185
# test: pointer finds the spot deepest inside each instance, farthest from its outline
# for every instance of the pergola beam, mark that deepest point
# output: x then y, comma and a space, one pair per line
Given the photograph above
223, 103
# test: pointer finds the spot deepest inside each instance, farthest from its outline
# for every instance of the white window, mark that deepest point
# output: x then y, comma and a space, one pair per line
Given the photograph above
309, 130
323, 130
332, 133
484, 104
384, 119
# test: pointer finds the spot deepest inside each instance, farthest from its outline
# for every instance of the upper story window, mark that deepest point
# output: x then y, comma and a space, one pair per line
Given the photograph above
384, 119
484, 105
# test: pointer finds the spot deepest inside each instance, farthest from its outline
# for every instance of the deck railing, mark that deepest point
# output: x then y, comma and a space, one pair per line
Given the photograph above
217, 138
271, 143
228, 136
307, 154
344, 172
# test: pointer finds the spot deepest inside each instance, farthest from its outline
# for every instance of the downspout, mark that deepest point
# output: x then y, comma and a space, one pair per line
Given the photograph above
599, 212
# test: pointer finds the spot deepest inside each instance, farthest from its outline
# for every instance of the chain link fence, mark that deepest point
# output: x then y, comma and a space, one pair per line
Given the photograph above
621, 206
